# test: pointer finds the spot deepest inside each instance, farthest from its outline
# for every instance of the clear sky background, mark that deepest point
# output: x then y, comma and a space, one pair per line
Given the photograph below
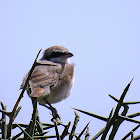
103, 35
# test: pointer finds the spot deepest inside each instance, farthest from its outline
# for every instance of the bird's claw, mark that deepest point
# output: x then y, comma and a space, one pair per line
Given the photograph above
55, 114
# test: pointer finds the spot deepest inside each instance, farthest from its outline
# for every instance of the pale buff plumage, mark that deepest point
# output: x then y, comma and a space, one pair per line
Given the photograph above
52, 83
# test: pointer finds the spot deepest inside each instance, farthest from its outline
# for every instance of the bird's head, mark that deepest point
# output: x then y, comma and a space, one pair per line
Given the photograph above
57, 54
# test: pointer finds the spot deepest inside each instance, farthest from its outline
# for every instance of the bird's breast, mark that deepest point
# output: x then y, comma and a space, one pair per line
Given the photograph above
63, 88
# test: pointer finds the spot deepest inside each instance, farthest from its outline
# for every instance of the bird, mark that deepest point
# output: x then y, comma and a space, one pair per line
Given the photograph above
51, 84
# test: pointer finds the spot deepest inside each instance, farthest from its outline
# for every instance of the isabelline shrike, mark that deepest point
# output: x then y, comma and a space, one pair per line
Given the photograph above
52, 84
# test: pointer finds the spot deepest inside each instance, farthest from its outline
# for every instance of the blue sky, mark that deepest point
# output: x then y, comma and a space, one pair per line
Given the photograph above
104, 37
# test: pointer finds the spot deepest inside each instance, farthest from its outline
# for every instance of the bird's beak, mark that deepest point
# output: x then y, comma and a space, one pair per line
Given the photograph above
69, 54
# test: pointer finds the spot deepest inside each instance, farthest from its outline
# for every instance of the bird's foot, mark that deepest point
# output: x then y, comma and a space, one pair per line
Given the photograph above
54, 112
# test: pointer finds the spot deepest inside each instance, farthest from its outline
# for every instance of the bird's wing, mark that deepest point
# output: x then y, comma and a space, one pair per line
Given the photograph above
41, 79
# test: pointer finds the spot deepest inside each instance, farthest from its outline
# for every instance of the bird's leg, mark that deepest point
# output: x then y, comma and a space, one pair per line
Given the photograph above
54, 111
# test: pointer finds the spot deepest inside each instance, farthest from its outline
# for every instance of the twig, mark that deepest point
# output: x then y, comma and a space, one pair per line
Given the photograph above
98, 134
87, 134
115, 115
11, 115
3, 125
91, 114
132, 135
25, 132
56, 130
124, 138
101, 131
134, 115
31, 127
117, 123
65, 132
82, 132
74, 125
16, 136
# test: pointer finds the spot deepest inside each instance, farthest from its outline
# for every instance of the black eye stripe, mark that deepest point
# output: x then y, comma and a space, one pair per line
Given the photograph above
56, 54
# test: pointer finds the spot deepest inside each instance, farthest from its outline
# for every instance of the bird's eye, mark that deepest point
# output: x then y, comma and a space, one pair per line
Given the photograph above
56, 54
